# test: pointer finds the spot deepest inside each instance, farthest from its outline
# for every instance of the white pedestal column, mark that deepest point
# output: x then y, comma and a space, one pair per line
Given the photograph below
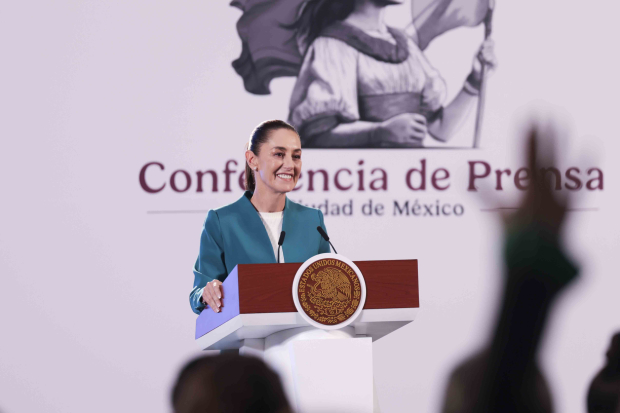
327, 371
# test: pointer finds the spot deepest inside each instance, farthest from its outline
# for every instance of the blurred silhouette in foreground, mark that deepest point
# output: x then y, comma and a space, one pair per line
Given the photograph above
228, 383
505, 377
604, 394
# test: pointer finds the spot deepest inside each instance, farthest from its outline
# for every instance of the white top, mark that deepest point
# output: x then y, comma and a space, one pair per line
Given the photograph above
273, 224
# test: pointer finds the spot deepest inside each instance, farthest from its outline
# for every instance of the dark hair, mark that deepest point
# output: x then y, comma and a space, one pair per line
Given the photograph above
315, 15
259, 136
228, 383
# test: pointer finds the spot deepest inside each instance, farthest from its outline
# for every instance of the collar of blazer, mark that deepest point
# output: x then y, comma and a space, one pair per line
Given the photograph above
260, 230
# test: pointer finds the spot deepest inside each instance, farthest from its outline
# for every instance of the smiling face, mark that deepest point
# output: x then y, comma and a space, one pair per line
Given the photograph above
278, 162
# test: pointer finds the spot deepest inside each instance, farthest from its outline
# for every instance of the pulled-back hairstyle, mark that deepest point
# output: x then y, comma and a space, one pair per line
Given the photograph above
259, 136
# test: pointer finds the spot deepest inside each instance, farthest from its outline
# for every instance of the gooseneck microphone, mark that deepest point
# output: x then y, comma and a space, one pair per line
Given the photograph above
280, 242
325, 237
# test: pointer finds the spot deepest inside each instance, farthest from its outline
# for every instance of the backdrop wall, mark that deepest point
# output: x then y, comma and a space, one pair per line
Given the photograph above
96, 271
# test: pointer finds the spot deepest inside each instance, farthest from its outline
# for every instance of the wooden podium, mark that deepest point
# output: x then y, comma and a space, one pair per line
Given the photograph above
258, 317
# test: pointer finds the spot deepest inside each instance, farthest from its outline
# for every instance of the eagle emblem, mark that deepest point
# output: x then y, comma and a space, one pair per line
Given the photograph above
329, 291
332, 290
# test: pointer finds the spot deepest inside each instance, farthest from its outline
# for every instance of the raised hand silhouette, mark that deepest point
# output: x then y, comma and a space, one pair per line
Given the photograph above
504, 376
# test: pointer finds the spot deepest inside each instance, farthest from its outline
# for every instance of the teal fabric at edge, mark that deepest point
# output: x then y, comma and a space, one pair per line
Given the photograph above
235, 234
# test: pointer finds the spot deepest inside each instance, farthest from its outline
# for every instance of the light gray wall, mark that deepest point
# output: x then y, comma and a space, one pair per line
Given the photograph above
93, 289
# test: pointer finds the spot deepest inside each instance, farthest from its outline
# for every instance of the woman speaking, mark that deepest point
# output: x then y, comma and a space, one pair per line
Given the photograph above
248, 230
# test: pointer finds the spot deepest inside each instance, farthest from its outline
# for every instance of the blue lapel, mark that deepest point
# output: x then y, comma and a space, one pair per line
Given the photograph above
255, 227
288, 219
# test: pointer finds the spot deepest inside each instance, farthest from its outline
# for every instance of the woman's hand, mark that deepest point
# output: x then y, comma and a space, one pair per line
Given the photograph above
485, 56
212, 295
404, 130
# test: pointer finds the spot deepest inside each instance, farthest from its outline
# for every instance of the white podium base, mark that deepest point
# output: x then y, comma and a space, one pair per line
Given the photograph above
321, 371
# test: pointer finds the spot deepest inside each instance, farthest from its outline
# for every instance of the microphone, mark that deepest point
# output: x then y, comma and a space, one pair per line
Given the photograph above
280, 242
325, 237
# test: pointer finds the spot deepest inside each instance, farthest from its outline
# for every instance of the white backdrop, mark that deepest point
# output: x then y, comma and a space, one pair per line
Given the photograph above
94, 288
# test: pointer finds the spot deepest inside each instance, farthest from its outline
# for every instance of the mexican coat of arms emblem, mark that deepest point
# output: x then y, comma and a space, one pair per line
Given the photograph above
329, 291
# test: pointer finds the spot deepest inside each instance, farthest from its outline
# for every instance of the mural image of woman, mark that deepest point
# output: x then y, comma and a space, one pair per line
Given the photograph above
364, 84
359, 82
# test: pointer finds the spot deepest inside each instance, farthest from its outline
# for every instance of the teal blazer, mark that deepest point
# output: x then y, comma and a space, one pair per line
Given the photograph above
235, 234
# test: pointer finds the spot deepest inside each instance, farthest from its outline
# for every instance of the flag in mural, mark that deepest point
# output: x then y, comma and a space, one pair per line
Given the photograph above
432, 18
269, 46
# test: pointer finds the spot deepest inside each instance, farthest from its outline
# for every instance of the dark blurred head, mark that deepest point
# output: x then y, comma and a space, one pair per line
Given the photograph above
228, 383
613, 355
604, 392
466, 387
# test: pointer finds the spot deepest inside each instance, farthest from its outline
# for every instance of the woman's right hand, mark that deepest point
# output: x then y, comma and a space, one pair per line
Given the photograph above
404, 130
212, 295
